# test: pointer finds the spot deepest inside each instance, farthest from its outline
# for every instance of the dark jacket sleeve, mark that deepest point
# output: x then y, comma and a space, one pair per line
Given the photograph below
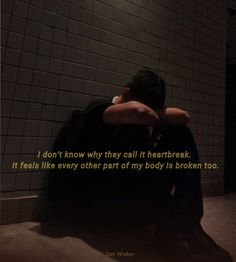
94, 112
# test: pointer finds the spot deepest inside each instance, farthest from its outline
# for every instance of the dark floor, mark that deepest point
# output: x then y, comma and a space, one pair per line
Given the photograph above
30, 242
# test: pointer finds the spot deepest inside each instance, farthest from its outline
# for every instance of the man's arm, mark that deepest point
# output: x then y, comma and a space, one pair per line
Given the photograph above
131, 112
134, 112
174, 116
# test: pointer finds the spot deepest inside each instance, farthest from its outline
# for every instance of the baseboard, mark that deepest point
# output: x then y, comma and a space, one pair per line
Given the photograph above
22, 208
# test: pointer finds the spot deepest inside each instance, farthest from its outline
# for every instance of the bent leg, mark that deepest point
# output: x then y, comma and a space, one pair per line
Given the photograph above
187, 198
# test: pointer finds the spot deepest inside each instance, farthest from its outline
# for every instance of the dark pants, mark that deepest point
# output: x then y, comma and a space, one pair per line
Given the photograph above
176, 191
187, 197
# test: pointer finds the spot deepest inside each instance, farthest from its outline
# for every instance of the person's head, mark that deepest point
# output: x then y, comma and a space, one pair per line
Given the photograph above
146, 87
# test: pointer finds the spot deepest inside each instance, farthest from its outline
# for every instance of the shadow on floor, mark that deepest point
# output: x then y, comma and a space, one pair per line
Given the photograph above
117, 236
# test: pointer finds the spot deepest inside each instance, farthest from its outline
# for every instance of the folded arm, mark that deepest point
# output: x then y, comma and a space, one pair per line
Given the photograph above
131, 112
174, 116
134, 112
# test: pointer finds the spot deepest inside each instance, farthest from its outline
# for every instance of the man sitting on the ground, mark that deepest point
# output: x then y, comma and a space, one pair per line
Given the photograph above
138, 120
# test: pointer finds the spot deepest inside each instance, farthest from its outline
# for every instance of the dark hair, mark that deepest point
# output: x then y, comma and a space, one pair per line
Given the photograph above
149, 87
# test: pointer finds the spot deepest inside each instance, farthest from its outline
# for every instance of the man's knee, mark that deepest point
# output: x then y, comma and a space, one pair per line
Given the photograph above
180, 138
180, 132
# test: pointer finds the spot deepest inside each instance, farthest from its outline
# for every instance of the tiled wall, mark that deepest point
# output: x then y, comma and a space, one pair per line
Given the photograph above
230, 139
231, 32
59, 55
232, 38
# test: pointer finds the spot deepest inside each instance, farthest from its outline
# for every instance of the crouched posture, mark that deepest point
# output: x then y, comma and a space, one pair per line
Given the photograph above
138, 120
117, 128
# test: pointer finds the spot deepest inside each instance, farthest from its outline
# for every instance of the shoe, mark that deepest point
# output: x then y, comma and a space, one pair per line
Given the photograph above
174, 246
205, 243
189, 244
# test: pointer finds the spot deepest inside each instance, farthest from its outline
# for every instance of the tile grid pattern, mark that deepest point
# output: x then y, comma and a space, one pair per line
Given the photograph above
59, 55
